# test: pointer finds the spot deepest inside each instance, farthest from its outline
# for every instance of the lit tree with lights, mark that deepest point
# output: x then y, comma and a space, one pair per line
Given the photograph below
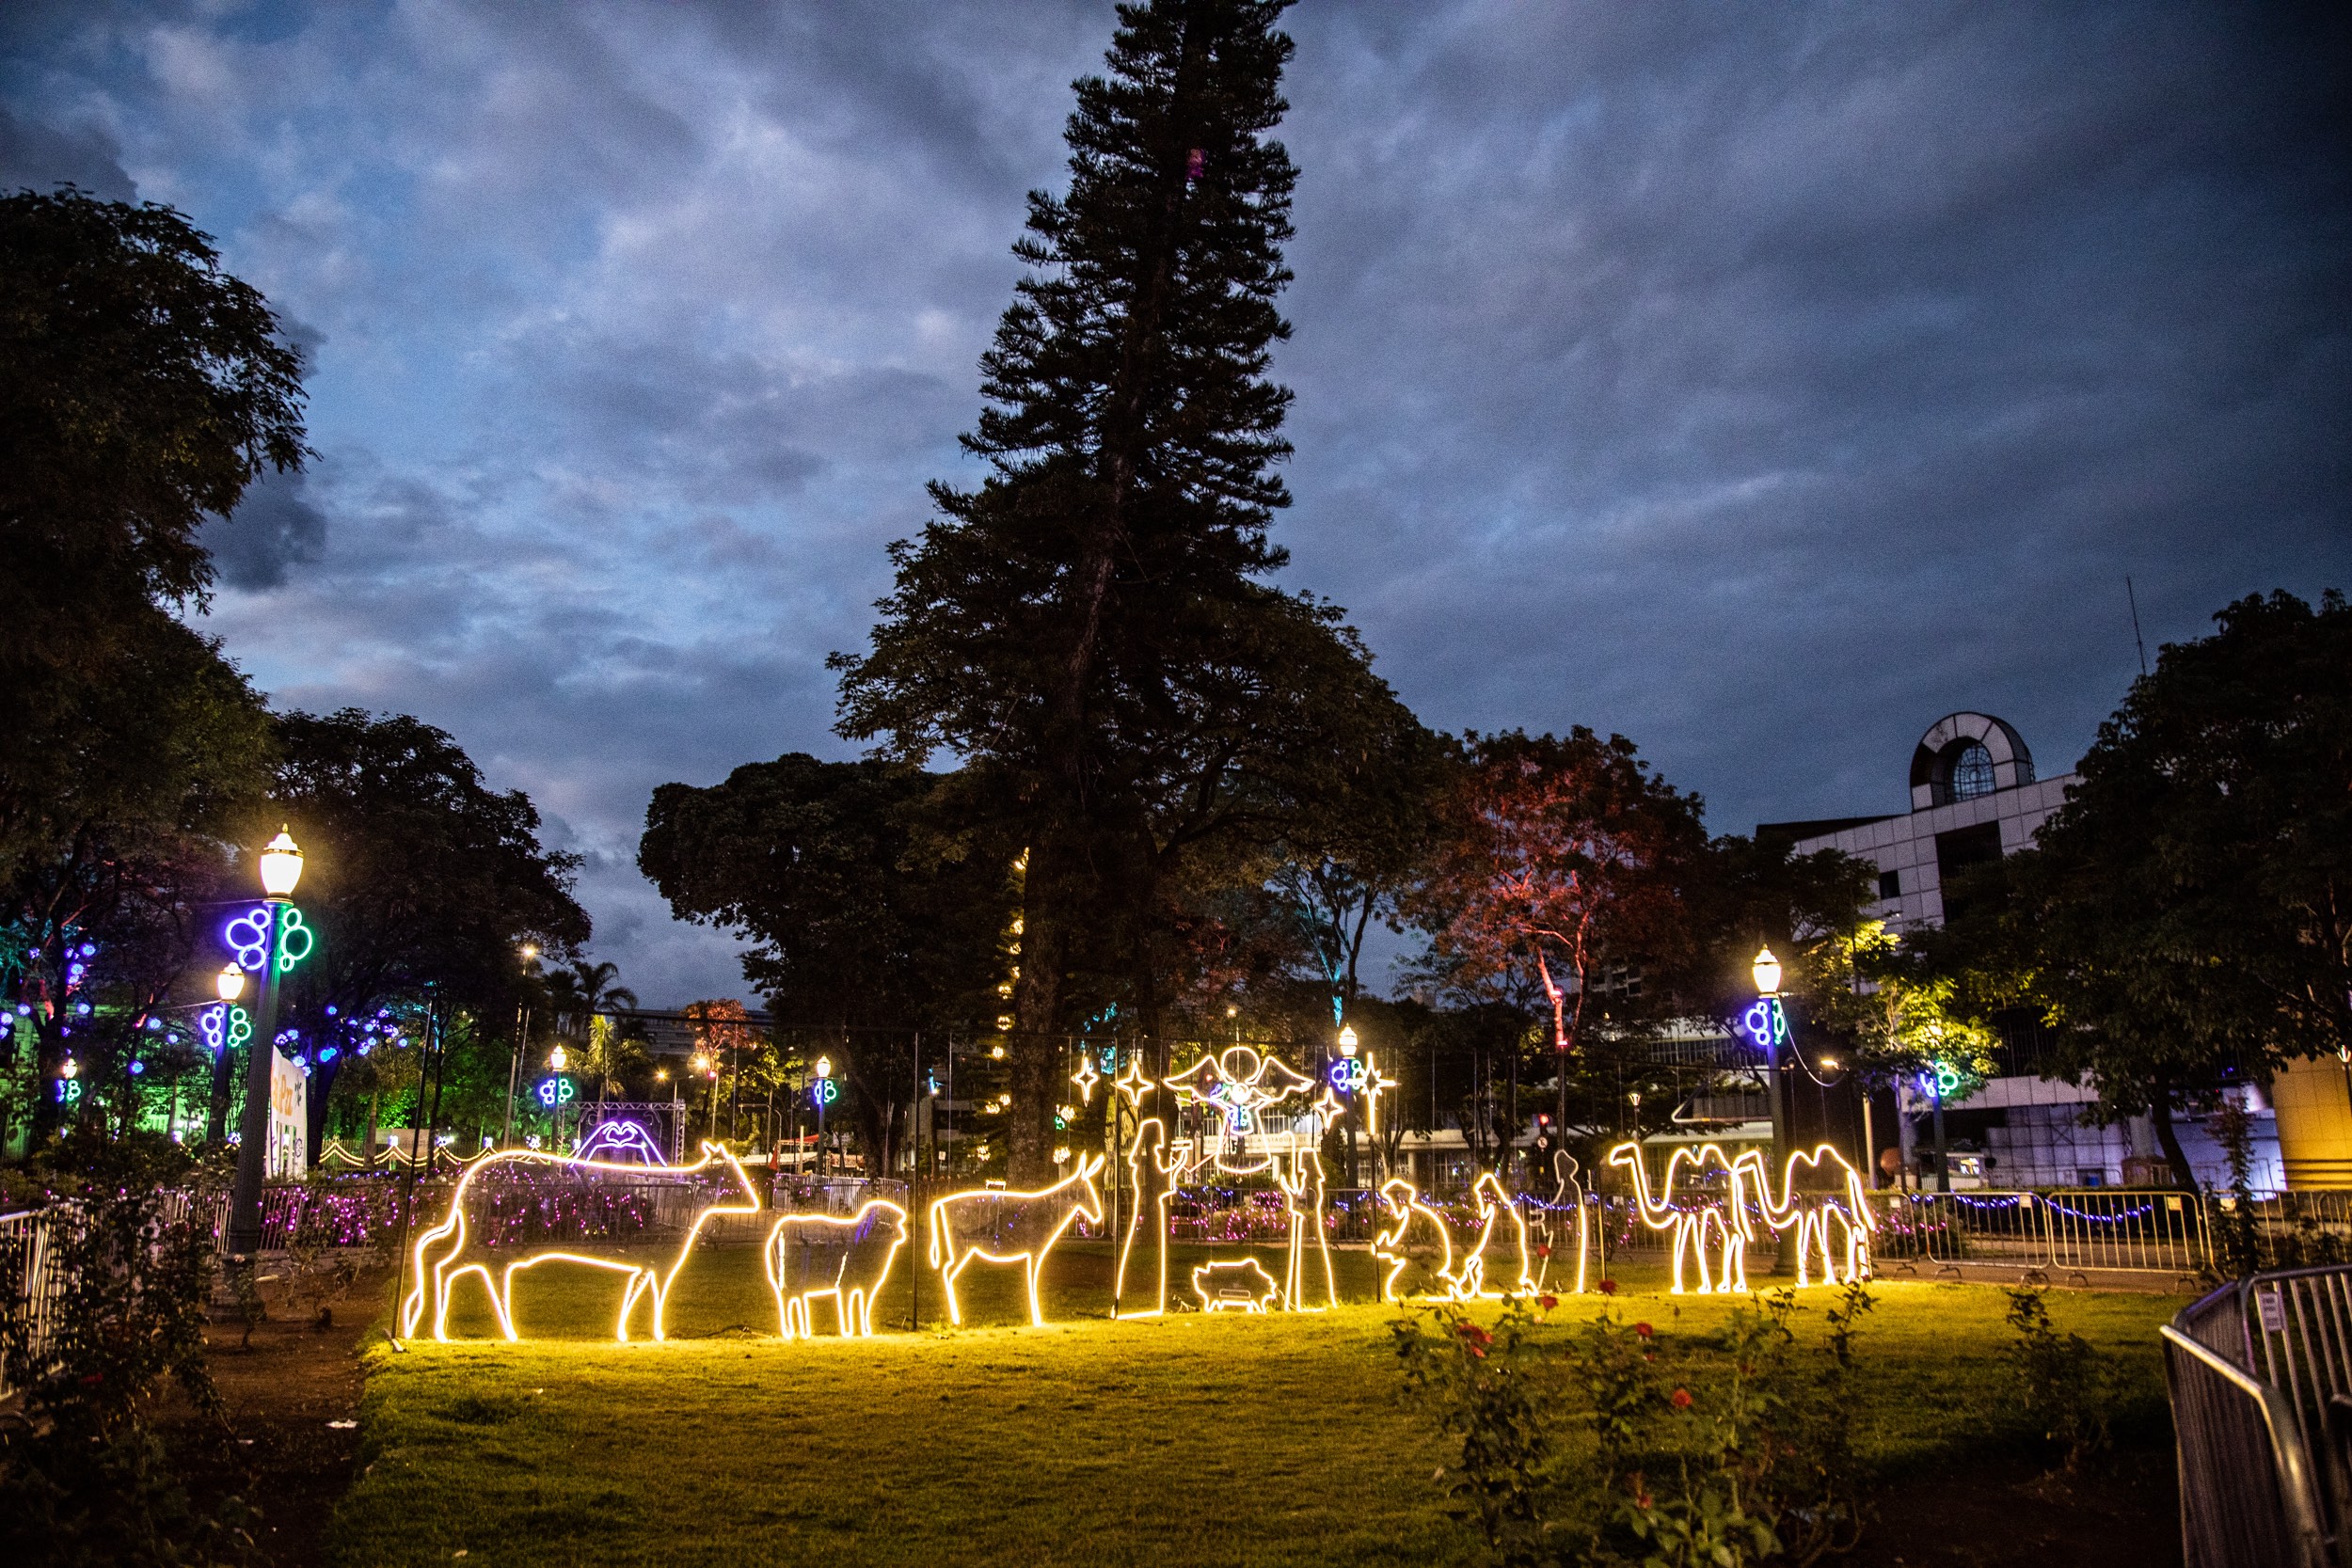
1090, 626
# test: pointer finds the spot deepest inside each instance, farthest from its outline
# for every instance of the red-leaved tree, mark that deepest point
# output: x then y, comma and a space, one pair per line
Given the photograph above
1557, 855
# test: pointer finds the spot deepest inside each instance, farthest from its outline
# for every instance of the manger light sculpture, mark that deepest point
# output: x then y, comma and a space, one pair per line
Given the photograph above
271, 939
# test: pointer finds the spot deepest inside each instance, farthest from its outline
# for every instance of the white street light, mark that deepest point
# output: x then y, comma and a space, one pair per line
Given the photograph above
281, 866
824, 1067
1767, 972
230, 982
1347, 1041
558, 1058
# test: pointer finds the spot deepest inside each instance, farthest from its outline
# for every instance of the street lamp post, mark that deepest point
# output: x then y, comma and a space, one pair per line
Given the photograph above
557, 1059
1766, 971
515, 1058
281, 868
824, 1092
228, 985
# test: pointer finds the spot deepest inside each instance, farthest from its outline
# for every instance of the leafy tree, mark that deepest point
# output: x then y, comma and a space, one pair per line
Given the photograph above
1557, 854
2187, 916
142, 388
1353, 851
1090, 625
415, 874
580, 990
861, 914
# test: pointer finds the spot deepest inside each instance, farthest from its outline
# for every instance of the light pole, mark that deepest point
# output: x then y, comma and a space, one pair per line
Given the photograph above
515, 1059
281, 868
1347, 1054
557, 1059
1766, 971
826, 1091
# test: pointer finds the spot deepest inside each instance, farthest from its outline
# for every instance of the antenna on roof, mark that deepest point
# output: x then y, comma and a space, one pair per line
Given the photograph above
2142, 646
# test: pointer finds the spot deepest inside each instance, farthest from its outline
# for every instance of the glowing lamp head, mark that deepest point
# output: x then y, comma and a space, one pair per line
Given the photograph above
996, 1053
281, 865
230, 982
1829, 1064
701, 1062
531, 951
824, 1067
1348, 1041
661, 1075
559, 1058
69, 1068
1767, 972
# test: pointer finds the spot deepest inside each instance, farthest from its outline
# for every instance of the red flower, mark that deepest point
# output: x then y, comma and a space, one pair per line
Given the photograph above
1608, 1287
1681, 1398
1474, 1333
1478, 1351
1546, 1303
1644, 1330
1543, 1249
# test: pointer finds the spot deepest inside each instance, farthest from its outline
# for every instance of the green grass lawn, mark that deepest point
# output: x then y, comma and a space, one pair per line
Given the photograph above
1189, 1439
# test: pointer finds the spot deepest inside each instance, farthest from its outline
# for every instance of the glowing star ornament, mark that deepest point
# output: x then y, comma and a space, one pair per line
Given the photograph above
997, 1227
1134, 1083
1714, 1219
1085, 1078
844, 1259
450, 1251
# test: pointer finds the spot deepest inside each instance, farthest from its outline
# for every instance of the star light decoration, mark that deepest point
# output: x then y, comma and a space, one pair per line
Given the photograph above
1134, 1083
1085, 1078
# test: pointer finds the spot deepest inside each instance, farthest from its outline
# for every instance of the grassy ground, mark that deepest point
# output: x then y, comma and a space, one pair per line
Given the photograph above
1190, 1439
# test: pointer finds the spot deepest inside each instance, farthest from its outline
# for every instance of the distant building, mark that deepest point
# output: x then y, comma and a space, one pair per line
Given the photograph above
1975, 796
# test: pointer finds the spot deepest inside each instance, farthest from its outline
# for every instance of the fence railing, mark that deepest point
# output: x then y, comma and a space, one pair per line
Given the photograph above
2259, 1372
25, 1265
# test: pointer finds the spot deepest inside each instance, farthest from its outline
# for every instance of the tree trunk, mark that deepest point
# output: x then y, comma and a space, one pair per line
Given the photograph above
2169, 1137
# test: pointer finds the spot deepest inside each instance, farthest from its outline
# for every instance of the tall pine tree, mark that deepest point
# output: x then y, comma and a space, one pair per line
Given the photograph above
1090, 626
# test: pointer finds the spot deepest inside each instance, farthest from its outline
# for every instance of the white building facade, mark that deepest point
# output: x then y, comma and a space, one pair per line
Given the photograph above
1976, 797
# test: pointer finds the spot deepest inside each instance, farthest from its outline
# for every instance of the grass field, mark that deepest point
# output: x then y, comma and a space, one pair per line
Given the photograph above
1189, 1439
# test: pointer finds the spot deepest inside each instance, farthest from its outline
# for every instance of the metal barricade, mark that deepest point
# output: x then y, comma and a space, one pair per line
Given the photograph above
2137, 1232
33, 1285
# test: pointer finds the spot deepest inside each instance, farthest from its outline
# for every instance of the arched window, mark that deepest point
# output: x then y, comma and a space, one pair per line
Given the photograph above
1972, 771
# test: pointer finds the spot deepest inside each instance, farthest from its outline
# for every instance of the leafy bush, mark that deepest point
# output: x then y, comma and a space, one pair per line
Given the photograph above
2061, 1377
82, 1478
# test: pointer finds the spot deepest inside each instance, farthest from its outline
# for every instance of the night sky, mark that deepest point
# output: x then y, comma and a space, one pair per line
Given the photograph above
1762, 382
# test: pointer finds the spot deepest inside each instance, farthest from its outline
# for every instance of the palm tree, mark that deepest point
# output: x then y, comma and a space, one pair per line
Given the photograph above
585, 989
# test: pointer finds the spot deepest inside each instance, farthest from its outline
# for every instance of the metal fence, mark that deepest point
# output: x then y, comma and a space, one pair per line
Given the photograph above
2260, 1372
34, 1284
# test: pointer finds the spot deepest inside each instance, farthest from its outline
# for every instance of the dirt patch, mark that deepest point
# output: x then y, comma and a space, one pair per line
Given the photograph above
2126, 1515
283, 1392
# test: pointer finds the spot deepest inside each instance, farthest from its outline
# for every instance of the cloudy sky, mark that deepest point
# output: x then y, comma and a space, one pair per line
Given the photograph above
1760, 381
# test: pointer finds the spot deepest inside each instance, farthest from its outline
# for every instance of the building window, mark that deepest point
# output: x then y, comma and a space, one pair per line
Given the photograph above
1890, 884
1972, 772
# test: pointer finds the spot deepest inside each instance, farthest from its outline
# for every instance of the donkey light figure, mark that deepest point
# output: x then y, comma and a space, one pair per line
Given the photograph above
1010, 1228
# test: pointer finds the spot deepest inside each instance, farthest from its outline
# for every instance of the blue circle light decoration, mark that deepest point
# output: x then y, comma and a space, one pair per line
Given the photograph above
1347, 1075
824, 1091
556, 1091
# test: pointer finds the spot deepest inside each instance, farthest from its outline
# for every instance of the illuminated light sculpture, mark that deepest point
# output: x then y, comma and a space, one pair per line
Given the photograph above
1717, 1220
1085, 1078
1399, 1248
1816, 1215
1561, 1237
1134, 1083
619, 1139
997, 1227
1308, 1283
446, 1252
846, 1258
1501, 1241
1152, 1170
1233, 1285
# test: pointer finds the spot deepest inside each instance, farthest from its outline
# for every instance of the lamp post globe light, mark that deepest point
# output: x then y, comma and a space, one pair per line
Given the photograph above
229, 983
1766, 971
281, 867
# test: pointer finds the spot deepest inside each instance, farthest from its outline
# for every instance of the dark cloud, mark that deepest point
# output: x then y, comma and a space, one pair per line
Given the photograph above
272, 529
43, 157
1762, 383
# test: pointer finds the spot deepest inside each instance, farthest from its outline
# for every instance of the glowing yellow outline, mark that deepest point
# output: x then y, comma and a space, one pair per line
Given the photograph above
1134, 1083
440, 1277
853, 1311
1085, 1201
1725, 1215
1400, 1195
1168, 1160
1305, 1220
1493, 1204
1813, 1220
1218, 1303
1563, 1182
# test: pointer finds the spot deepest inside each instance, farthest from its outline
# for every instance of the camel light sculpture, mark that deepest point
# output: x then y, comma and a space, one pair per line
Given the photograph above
1843, 1210
1716, 1220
